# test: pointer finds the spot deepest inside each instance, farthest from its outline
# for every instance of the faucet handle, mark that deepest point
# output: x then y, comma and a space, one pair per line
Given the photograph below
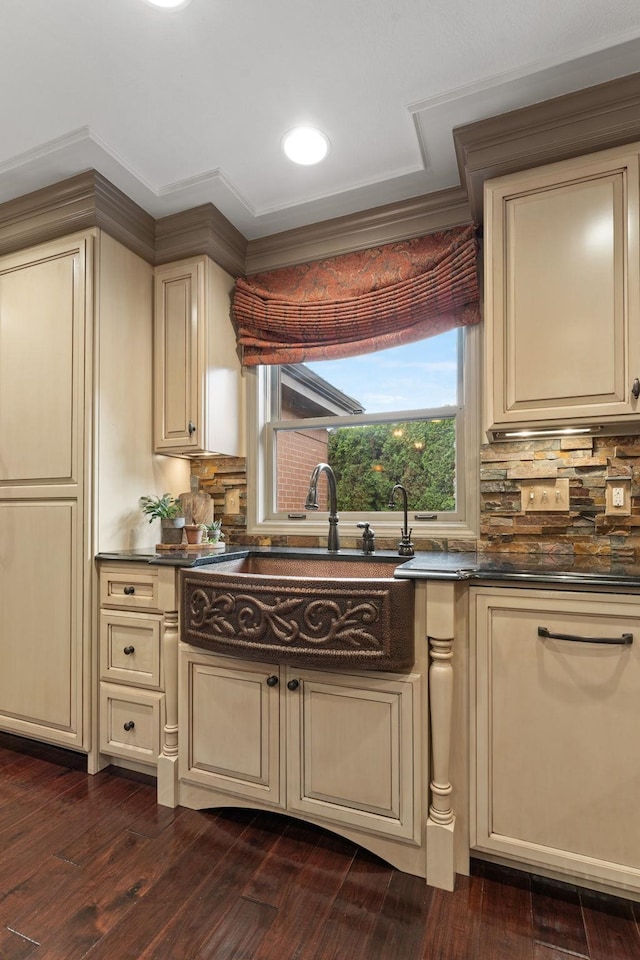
405, 547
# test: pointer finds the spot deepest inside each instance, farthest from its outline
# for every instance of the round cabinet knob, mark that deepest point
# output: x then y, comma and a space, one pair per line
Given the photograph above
192, 428
129, 725
635, 388
128, 651
272, 681
293, 684
129, 591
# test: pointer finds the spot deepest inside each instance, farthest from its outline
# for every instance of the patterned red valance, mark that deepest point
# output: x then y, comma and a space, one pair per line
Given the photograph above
359, 302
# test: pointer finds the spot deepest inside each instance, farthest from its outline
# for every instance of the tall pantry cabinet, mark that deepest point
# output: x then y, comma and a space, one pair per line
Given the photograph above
75, 456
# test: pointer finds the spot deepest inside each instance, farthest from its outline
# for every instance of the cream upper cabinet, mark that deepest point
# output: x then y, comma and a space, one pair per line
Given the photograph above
555, 731
198, 384
562, 294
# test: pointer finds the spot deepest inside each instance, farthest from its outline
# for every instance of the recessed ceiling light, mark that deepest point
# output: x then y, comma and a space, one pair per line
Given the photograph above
305, 145
169, 4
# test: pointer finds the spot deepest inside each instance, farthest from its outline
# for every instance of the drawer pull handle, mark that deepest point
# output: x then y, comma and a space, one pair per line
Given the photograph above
128, 651
635, 388
624, 641
272, 681
293, 684
129, 725
129, 591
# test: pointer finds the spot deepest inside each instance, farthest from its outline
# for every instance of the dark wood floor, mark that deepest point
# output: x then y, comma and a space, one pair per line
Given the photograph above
92, 867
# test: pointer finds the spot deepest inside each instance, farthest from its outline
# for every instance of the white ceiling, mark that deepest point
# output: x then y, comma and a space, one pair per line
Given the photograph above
179, 108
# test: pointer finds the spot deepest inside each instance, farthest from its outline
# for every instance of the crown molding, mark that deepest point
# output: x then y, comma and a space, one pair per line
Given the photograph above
596, 118
388, 224
78, 203
123, 219
89, 200
200, 230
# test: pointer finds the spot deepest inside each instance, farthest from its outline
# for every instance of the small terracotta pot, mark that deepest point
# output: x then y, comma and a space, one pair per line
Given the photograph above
194, 533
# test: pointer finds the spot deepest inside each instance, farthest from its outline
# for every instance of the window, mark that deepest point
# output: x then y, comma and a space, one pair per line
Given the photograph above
405, 415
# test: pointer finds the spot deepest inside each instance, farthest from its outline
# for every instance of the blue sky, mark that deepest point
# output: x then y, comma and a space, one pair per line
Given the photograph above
417, 376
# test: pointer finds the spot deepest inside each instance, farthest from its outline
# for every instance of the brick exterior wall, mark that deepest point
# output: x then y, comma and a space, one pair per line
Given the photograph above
298, 453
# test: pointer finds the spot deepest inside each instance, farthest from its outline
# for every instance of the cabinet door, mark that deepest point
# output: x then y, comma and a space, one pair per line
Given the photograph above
41, 353
230, 721
352, 750
557, 729
41, 613
179, 302
562, 287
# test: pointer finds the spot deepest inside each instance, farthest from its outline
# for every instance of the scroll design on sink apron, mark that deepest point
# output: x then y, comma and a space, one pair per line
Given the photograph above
355, 624
290, 620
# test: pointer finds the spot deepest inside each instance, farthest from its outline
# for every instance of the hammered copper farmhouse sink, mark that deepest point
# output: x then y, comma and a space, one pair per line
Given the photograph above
313, 611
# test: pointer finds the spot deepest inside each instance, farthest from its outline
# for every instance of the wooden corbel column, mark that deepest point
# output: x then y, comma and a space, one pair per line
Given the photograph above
441, 821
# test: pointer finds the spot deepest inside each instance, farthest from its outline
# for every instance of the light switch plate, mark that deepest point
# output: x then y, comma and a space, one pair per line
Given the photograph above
618, 496
545, 496
232, 502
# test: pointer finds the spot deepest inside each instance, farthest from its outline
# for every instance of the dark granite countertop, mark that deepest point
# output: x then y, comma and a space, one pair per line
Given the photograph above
524, 569
198, 558
174, 558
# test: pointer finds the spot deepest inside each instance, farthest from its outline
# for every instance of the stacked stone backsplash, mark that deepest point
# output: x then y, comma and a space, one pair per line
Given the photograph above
586, 462
584, 529
222, 477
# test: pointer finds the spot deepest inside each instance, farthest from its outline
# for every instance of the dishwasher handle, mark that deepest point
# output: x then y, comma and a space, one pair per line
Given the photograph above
624, 641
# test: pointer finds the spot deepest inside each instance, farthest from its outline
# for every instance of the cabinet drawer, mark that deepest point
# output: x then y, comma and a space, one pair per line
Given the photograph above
130, 648
130, 722
129, 587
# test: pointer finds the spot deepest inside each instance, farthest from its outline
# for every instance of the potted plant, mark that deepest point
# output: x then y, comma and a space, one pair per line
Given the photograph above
168, 510
213, 534
194, 532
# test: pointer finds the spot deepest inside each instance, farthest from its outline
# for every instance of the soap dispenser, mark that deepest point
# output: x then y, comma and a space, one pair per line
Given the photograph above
368, 537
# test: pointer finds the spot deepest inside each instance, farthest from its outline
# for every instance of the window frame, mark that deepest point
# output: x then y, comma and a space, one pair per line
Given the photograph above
262, 520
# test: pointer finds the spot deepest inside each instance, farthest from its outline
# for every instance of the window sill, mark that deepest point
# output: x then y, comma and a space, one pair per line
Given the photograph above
318, 527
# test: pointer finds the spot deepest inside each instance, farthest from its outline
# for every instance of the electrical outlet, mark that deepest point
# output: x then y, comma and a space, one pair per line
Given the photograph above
618, 496
545, 495
232, 502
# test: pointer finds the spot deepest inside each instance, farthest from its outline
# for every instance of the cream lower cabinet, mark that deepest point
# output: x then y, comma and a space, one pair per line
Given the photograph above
337, 748
562, 294
556, 778
138, 639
